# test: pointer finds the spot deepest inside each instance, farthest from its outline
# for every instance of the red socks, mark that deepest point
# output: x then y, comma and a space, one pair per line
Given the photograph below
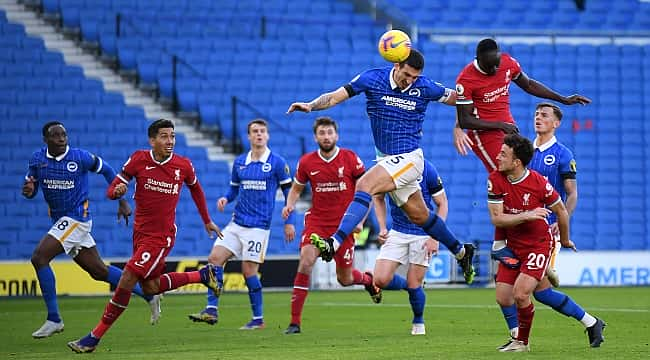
525, 318
113, 310
298, 297
360, 278
170, 281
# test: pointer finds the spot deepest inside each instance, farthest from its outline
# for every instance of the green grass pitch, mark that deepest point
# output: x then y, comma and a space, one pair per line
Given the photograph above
461, 324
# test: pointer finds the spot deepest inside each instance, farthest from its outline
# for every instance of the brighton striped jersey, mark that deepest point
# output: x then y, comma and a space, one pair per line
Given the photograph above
431, 185
257, 183
64, 180
396, 115
556, 163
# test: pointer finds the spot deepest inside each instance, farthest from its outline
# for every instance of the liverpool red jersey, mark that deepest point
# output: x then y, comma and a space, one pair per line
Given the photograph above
332, 184
157, 190
490, 94
530, 192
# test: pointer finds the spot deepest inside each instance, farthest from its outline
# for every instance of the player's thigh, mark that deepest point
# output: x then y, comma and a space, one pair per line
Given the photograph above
414, 207
344, 256
148, 260
404, 171
503, 293
255, 241
487, 146
227, 246
46, 250
72, 234
89, 260
417, 251
384, 271
415, 275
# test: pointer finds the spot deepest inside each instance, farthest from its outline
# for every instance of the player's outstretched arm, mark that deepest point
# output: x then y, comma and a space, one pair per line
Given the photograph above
292, 198
324, 101
212, 228
467, 120
538, 89
116, 189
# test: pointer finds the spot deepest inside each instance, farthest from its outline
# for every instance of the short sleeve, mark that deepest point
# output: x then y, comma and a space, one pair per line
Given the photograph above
282, 171
130, 167
568, 167
495, 189
549, 196
515, 68
463, 90
301, 171
358, 167
190, 178
360, 83
434, 181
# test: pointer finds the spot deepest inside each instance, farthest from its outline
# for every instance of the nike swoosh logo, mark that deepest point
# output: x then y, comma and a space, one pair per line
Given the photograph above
396, 44
149, 167
314, 173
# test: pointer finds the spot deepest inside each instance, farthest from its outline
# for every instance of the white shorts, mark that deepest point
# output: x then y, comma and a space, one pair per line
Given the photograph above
405, 169
72, 234
405, 249
248, 244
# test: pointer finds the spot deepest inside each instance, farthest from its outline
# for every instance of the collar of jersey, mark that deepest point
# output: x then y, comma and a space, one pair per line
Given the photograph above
60, 157
478, 67
545, 146
263, 159
522, 178
393, 84
160, 162
336, 152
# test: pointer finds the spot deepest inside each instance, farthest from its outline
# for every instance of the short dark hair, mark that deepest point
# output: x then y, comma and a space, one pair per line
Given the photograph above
486, 45
258, 121
415, 60
325, 121
556, 109
521, 147
47, 126
157, 125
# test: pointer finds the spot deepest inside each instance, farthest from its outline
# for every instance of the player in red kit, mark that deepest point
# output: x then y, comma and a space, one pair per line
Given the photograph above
483, 101
483, 108
332, 173
160, 175
519, 201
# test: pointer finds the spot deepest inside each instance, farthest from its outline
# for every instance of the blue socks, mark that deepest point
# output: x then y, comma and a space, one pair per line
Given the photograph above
417, 298
437, 229
114, 274
560, 302
355, 212
510, 314
47, 282
397, 283
255, 296
213, 300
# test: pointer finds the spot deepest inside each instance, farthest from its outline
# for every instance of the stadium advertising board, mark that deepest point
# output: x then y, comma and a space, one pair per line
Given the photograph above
19, 278
600, 268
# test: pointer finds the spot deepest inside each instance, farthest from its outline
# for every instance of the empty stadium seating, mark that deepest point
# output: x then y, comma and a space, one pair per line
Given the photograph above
294, 53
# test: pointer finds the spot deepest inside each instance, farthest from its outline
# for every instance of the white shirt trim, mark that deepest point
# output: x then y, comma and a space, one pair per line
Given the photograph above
545, 146
475, 62
264, 158
60, 157
159, 162
336, 153
522, 178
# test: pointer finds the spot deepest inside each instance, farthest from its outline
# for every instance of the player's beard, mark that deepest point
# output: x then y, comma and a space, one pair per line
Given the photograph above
326, 148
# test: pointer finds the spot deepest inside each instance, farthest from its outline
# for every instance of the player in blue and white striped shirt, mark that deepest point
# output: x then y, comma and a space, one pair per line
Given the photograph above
256, 177
397, 98
556, 163
62, 174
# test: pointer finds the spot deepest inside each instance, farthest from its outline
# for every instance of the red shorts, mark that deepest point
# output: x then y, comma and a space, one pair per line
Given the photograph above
487, 145
149, 254
344, 256
534, 262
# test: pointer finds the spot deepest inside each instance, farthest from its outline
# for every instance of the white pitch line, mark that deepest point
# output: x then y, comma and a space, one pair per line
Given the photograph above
452, 306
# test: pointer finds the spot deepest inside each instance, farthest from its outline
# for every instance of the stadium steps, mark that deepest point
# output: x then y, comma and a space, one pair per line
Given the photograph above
112, 82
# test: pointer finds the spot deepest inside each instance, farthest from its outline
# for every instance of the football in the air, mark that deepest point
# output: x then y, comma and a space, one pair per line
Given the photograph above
394, 46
